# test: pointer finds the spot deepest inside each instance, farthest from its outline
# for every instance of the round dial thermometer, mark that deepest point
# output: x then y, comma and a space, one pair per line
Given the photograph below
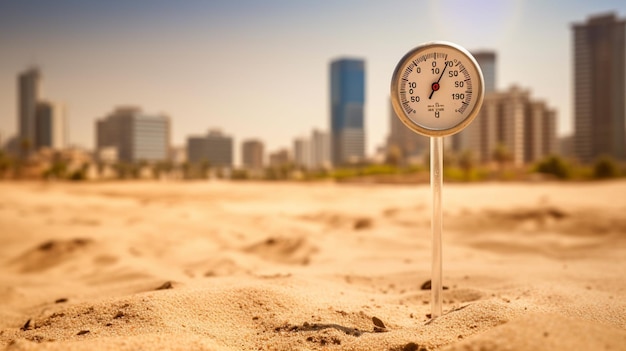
437, 89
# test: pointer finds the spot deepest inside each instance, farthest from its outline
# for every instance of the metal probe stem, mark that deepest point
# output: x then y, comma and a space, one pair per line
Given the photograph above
436, 183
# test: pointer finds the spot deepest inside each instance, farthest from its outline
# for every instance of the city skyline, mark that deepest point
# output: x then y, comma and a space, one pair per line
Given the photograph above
239, 68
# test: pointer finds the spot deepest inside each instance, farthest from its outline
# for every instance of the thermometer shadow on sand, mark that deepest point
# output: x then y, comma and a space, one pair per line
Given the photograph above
437, 90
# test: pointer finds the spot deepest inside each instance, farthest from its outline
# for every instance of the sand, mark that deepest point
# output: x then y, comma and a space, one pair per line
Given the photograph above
323, 266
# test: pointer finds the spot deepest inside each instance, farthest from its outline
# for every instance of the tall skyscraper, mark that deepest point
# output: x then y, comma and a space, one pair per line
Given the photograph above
135, 135
252, 154
599, 87
28, 96
50, 126
347, 96
320, 150
487, 62
215, 148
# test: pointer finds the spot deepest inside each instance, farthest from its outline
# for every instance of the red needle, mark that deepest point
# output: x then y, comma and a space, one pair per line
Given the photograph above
436, 84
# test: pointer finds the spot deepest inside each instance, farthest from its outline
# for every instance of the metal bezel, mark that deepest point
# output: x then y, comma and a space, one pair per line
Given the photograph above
395, 97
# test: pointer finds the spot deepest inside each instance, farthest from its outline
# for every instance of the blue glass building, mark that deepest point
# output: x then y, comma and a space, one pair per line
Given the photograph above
347, 96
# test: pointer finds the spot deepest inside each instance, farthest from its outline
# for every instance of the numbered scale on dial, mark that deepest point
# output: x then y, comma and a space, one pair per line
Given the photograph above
437, 89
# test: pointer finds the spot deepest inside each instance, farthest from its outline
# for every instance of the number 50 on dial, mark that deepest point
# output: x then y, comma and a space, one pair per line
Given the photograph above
437, 89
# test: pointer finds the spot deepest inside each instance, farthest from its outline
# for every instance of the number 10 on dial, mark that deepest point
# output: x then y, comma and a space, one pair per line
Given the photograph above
437, 89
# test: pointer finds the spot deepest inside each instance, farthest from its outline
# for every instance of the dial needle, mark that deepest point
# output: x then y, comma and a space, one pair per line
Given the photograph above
435, 85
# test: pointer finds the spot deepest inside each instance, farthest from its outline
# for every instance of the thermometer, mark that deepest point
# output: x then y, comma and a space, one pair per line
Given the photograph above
437, 90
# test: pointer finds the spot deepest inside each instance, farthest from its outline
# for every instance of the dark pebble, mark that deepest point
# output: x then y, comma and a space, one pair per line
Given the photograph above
61, 300
378, 322
427, 285
26, 326
410, 347
82, 332
48, 245
166, 285
362, 223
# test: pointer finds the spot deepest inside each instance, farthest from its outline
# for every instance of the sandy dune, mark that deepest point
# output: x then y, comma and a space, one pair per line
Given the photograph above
275, 266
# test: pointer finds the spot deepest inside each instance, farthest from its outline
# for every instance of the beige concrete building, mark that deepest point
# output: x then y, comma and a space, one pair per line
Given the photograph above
216, 148
252, 154
526, 128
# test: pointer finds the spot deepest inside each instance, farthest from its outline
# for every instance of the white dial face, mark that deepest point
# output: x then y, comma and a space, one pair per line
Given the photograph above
437, 89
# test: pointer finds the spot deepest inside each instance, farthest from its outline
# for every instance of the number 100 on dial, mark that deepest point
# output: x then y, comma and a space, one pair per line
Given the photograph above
437, 89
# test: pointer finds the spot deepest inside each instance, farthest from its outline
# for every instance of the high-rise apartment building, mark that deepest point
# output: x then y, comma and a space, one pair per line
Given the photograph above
599, 87
410, 143
347, 96
320, 150
215, 148
252, 154
136, 136
526, 128
28, 95
50, 126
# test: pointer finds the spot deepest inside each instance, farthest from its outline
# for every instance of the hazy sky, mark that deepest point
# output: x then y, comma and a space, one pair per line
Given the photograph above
261, 68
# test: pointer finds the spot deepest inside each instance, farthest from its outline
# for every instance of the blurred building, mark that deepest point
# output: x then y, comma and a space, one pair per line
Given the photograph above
28, 95
409, 143
12, 146
347, 96
136, 135
252, 154
487, 62
566, 146
320, 150
523, 127
50, 126
280, 158
302, 153
599, 87
215, 148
